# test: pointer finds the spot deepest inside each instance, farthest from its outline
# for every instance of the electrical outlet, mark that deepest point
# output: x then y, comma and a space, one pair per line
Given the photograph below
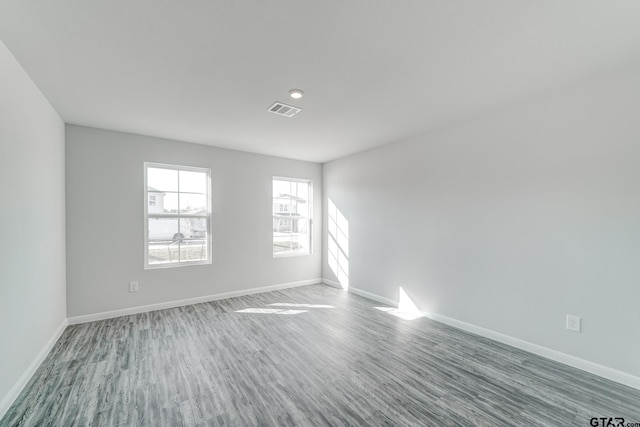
133, 286
574, 323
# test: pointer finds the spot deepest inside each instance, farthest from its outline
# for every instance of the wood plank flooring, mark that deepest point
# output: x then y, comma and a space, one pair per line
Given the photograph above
309, 356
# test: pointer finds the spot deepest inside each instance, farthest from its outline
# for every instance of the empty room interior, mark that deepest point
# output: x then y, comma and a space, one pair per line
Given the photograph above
302, 213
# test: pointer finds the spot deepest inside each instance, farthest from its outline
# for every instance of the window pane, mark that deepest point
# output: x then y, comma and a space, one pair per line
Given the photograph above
281, 243
162, 179
302, 191
281, 187
163, 228
163, 240
166, 203
193, 182
194, 246
193, 228
301, 207
301, 236
154, 204
291, 236
194, 204
162, 203
173, 195
291, 214
193, 250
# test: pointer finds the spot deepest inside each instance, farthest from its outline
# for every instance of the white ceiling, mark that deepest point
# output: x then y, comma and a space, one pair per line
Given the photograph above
373, 71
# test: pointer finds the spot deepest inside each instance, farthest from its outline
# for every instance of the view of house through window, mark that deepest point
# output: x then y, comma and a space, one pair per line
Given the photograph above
177, 215
291, 216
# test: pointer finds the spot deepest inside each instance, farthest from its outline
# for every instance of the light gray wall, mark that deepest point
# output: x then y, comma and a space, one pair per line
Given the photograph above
32, 247
512, 220
105, 222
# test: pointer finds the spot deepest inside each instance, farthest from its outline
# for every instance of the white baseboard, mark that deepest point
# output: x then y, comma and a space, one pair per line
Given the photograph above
373, 297
15, 391
566, 359
558, 356
179, 303
332, 283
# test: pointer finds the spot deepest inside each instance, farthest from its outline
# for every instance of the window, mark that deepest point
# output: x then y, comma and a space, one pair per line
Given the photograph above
177, 215
291, 216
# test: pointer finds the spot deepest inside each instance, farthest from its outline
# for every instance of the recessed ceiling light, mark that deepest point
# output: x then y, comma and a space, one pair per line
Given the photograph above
296, 93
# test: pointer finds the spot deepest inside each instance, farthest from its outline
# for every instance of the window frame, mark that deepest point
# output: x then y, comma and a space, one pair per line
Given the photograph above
178, 215
309, 218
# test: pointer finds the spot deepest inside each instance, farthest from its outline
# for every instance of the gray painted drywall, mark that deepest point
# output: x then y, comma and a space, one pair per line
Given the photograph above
105, 222
512, 220
32, 250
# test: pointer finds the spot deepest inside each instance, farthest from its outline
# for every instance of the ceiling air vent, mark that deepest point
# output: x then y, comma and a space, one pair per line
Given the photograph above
284, 109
